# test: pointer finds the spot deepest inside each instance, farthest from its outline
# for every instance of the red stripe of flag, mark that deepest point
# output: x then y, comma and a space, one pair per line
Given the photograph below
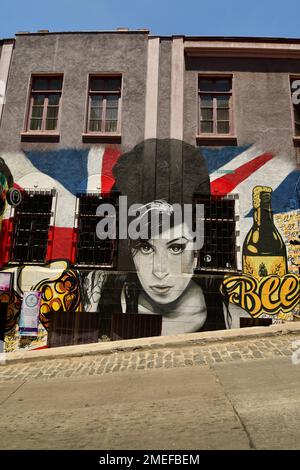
225, 184
110, 158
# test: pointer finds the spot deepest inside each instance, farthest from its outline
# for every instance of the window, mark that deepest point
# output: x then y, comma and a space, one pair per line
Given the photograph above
295, 92
104, 104
215, 106
31, 227
44, 104
219, 249
91, 251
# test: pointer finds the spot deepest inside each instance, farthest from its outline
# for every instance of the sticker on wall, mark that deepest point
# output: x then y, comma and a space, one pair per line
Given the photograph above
29, 318
14, 197
5, 281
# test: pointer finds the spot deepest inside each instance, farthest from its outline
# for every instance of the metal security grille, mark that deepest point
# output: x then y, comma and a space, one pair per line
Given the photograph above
247, 322
219, 249
91, 251
31, 228
67, 328
3, 313
135, 325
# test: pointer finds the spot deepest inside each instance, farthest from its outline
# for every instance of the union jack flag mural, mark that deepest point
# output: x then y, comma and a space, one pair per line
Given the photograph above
232, 171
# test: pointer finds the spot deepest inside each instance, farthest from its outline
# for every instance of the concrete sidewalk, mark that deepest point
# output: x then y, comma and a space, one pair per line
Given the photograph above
160, 342
201, 349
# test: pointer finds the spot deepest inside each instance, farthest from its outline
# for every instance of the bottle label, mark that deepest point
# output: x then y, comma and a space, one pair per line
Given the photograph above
262, 266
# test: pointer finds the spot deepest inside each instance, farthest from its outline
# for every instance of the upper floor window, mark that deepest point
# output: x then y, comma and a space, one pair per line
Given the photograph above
45, 97
219, 249
104, 104
91, 250
295, 92
215, 106
31, 228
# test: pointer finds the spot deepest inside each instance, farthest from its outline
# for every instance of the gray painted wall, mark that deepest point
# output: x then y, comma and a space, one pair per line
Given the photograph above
262, 105
262, 110
76, 55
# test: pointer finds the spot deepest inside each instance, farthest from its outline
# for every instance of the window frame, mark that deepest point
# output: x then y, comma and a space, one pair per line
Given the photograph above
211, 136
34, 192
235, 267
102, 133
296, 137
28, 113
101, 197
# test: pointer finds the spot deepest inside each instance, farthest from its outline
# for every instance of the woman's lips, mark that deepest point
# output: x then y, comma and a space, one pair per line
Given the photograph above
161, 289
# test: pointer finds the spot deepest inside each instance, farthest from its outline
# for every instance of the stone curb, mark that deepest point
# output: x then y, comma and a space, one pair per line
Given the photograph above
157, 342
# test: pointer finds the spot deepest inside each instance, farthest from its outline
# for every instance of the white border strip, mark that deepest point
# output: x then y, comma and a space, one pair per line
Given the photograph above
151, 105
177, 75
5, 60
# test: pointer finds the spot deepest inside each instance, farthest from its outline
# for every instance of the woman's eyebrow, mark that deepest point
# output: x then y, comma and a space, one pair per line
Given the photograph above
142, 241
176, 240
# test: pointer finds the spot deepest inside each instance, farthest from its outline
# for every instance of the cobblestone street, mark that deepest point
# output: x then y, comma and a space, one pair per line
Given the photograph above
229, 351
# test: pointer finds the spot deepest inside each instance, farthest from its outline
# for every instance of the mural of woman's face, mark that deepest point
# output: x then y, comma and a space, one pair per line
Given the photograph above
164, 264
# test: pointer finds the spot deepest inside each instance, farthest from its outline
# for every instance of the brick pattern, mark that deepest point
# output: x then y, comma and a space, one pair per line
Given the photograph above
221, 352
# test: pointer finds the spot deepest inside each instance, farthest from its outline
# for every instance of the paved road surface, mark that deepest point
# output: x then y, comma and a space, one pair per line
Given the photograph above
238, 404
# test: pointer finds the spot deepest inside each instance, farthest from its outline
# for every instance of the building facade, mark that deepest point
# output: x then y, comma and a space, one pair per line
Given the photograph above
164, 122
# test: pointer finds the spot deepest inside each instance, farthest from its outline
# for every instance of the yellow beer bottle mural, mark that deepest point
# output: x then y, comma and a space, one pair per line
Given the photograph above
264, 251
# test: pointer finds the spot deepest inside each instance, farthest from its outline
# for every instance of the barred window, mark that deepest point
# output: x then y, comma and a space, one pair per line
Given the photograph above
31, 228
219, 249
91, 251
215, 106
104, 104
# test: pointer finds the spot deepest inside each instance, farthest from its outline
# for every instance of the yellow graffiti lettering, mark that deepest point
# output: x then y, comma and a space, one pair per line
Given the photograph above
271, 294
290, 291
241, 291
249, 298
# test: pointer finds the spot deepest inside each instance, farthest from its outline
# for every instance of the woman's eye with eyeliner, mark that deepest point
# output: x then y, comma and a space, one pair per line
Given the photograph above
177, 248
146, 249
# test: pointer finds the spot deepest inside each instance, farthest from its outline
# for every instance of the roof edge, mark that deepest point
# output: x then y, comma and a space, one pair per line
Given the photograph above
121, 31
254, 39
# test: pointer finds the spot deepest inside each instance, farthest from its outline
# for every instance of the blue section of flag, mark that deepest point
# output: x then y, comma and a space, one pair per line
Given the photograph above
67, 166
217, 157
286, 197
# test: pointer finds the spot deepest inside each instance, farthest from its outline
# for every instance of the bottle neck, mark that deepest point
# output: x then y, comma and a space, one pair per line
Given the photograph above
263, 214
